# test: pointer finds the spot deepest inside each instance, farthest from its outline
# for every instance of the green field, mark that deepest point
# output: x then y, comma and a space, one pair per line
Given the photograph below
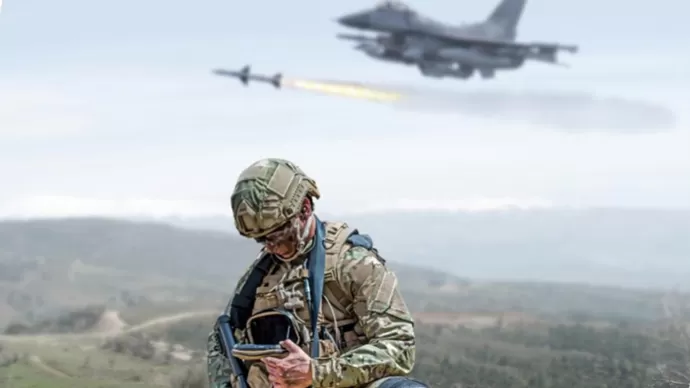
72, 363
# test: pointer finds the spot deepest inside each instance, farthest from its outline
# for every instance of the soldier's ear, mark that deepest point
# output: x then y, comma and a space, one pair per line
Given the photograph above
306, 208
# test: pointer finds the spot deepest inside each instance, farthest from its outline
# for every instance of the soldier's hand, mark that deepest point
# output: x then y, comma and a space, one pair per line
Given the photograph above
292, 371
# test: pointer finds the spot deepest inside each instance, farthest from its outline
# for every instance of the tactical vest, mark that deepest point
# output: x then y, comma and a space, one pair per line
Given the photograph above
270, 285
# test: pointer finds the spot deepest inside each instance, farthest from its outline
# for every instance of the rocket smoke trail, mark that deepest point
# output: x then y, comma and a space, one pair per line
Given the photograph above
563, 111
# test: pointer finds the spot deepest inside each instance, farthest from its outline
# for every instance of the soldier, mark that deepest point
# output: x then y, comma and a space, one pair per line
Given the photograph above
359, 333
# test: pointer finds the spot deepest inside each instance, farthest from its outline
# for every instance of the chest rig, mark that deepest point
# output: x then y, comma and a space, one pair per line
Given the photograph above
309, 296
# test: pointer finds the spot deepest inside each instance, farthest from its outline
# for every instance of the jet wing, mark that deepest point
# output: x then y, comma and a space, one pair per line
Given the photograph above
520, 47
536, 51
501, 45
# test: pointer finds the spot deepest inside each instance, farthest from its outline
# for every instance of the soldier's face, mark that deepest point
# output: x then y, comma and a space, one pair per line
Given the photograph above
285, 241
282, 242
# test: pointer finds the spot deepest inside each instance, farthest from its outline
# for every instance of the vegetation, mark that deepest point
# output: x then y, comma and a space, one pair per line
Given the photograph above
558, 356
61, 265
534, 356
64, 277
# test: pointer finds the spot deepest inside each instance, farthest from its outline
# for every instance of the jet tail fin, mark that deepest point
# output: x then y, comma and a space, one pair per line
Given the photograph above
507, 16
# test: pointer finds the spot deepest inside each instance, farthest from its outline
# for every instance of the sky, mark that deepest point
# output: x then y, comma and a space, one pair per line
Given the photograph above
111, 108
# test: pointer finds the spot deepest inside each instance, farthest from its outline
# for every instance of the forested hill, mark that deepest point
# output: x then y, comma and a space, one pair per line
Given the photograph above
148, 247
47, 263
143, 247
478, 333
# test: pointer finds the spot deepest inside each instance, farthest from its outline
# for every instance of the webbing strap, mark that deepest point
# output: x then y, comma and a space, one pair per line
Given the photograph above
317, 267
243, 302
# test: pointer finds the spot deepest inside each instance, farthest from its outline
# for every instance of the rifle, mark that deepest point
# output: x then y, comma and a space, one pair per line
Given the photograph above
227, 341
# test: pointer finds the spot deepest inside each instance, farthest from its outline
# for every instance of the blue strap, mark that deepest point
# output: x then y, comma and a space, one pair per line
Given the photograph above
317, 268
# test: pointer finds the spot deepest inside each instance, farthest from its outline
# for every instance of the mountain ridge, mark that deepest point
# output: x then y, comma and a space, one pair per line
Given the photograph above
618, 246
51, 265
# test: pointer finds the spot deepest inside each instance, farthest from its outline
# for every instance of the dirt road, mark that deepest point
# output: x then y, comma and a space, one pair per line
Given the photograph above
123, 329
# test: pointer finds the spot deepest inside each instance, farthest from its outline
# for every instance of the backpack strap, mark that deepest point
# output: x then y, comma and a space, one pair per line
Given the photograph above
335, 241
317, 266
243, 301
336, 237
339, 237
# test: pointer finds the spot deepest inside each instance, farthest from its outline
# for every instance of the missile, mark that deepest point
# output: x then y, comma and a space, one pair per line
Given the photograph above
245, 75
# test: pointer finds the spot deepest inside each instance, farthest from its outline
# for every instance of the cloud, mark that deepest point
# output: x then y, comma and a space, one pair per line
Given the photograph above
25, 112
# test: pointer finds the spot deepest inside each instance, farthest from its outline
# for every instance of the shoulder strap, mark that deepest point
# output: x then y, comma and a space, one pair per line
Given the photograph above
317, 269
336, 237
339, 237
339, 234
243, 301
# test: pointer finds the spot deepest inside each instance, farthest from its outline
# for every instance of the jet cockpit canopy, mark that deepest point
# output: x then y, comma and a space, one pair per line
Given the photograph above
393, 4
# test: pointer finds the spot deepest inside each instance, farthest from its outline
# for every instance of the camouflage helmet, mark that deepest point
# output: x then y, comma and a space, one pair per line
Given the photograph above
268, 194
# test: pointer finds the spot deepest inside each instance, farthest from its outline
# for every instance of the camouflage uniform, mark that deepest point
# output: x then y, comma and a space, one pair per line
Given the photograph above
361, 302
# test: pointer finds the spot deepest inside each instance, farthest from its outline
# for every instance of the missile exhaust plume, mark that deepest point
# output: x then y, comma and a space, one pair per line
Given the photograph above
562, 111
345, 89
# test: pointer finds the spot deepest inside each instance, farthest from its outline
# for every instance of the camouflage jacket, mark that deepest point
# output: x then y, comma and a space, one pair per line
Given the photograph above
381, 313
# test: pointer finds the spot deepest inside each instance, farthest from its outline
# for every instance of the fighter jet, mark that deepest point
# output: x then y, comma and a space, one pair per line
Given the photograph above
441, 50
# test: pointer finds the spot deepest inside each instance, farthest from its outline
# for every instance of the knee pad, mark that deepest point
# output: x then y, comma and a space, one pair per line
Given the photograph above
402, 382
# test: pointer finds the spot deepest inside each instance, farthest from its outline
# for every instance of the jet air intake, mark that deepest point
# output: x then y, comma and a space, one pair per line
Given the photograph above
476, 59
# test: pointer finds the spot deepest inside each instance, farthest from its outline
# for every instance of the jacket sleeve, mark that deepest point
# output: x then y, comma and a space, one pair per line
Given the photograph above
385, 319
217, 365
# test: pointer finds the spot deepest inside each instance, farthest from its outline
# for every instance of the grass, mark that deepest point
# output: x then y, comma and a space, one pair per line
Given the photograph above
83, 364
25, 375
